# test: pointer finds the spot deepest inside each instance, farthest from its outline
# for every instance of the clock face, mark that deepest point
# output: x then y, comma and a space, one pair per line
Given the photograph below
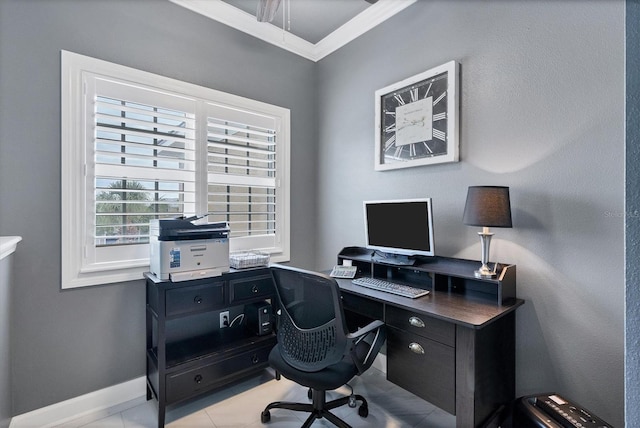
413, 121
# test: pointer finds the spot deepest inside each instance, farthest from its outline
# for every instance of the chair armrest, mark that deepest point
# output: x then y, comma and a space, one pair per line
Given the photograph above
375, 329
361, 332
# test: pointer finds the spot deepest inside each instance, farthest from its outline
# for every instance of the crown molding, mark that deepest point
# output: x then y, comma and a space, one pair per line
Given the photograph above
372, 16
247, 23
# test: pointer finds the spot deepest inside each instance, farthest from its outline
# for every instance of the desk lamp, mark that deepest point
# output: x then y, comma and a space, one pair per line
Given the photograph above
487, 206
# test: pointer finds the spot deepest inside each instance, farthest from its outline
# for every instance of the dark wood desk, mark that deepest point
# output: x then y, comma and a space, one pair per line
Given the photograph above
454, 347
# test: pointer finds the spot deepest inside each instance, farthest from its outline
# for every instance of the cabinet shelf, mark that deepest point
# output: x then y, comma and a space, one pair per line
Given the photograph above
210, 345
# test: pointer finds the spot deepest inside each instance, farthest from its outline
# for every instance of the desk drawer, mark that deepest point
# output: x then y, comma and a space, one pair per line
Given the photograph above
186, 384
423, 367
194, 299
249, 288
421, 325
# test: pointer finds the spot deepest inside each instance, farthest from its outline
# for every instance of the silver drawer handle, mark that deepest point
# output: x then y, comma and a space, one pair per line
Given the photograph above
416, 322
416, 348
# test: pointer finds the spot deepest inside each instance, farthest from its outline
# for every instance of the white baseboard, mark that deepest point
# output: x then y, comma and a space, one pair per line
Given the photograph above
92, 406
99, 404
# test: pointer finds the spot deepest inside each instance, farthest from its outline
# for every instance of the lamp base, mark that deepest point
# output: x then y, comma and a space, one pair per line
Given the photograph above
485, 239
484, 273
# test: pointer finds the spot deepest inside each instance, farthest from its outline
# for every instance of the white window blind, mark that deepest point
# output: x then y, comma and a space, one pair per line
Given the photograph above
241, 168
138, 146
144, 163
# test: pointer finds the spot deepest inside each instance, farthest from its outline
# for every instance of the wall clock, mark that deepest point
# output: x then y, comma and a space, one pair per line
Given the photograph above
417, 120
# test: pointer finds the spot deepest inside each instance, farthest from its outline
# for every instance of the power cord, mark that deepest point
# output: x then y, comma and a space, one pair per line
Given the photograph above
240, 317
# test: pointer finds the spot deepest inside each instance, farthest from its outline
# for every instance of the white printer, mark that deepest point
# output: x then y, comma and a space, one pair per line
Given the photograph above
183, 249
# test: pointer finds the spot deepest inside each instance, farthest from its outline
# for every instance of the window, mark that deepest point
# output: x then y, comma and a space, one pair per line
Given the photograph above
138, 146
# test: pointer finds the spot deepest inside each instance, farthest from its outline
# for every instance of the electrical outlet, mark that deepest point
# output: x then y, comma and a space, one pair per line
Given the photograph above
224, 319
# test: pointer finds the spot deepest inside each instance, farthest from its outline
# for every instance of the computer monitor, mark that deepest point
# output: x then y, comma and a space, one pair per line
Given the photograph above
399, 229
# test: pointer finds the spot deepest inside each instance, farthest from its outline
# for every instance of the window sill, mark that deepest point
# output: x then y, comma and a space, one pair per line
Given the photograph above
8, 245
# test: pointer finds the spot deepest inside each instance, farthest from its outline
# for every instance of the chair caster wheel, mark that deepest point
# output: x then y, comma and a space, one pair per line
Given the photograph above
265, 417
363, 411
352, 401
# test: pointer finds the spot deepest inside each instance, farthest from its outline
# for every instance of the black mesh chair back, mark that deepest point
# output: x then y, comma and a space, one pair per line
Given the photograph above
311, 331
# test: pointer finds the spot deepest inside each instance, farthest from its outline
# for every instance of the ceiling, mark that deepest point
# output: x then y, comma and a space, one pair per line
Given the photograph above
311, 20
313, 28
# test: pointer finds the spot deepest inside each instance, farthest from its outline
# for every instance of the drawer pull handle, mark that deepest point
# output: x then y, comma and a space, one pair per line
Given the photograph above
197, 378
416, 348
197, 300
254, 289
255, 359
416, 322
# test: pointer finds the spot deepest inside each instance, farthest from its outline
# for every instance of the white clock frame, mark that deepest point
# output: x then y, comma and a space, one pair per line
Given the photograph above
417, 128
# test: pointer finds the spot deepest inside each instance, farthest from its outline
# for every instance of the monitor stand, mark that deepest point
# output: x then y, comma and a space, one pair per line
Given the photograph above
392, 259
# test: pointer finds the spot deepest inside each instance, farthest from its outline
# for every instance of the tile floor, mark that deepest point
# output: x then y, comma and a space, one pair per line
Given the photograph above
240, 405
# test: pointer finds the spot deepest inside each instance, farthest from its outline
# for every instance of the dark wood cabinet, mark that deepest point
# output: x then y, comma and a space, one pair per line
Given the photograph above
422, 366
454, 347
188, 353
421, 356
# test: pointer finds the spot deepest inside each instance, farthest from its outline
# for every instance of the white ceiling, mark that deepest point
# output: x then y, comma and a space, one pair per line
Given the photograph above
313, 28
311, 20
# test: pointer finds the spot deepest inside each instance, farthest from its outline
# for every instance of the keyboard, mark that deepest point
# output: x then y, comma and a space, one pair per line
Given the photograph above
390, 287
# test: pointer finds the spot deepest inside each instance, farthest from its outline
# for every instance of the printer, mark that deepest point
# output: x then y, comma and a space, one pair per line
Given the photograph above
184, 248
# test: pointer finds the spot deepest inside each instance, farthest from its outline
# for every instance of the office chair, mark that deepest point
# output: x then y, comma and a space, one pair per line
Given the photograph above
314, 347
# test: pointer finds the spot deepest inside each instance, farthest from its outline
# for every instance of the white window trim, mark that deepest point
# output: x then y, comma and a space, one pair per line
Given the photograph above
73, 180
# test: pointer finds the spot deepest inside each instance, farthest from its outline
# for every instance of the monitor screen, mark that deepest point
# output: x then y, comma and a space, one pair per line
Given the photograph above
402, 227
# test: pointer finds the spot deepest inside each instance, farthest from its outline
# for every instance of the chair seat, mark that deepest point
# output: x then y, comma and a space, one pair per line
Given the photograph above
332, 377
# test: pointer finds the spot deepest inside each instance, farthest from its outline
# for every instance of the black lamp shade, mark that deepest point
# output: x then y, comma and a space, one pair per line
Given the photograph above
487, 206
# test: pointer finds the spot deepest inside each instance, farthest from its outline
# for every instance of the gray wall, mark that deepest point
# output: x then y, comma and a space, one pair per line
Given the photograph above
542, 111
69, 343
632, 321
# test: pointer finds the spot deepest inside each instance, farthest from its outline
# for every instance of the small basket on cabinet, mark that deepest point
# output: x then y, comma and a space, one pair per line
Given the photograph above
248, 259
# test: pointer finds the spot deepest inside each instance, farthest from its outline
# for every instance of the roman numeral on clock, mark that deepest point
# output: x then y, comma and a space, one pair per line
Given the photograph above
389, 143
426, 94
398, 152
414, 94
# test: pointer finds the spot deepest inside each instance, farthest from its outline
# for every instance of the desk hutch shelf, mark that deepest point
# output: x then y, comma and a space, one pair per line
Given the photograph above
443, 274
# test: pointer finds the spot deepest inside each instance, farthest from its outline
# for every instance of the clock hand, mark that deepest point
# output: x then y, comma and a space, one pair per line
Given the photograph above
413, 122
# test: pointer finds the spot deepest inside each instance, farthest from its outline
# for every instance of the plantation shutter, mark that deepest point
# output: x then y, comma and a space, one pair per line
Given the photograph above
137, 146
241, 168
144, 157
